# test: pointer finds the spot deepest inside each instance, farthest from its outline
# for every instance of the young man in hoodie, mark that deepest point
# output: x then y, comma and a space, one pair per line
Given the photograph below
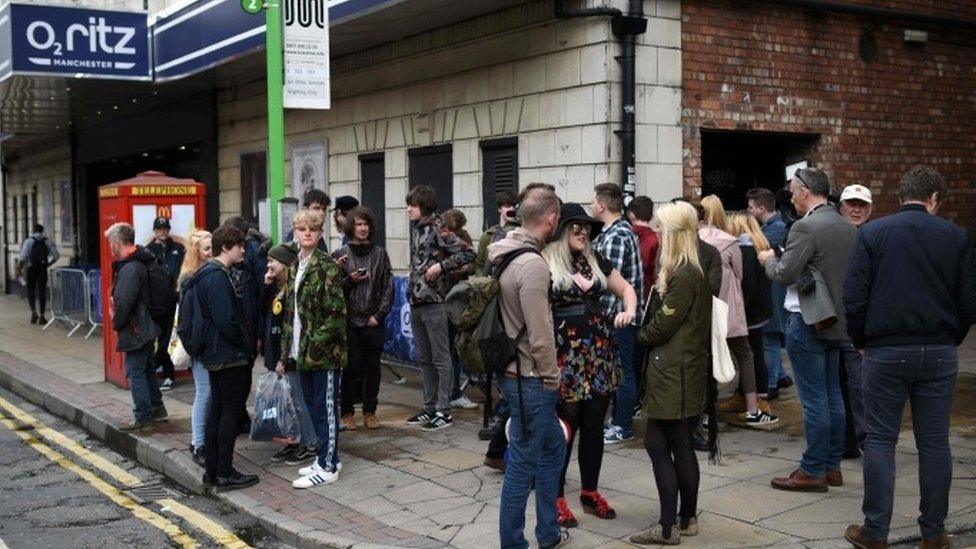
34, 262
432, 258
227, 355
537, 445
618, 243
133, 324
170, 255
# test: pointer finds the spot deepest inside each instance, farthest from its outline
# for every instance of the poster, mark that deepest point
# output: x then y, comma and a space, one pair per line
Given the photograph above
306, 45
143, 216
183, 220
308, 169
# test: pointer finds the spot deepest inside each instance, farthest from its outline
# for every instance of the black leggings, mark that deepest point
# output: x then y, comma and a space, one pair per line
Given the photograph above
759, 359
585, 417
668, 443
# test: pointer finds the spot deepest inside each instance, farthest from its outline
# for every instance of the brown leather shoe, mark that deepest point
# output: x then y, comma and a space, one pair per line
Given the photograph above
798, 481
856, 536
940, 542
349, 422
835, 478
371, 421
495, 463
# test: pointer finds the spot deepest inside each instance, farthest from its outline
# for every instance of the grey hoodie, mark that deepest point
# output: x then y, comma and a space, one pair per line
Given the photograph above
524, 287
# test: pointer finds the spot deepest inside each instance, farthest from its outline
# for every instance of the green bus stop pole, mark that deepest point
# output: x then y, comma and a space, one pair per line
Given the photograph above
276, 114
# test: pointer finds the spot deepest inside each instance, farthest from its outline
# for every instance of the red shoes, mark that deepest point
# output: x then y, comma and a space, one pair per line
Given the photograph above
564, 516
595, 504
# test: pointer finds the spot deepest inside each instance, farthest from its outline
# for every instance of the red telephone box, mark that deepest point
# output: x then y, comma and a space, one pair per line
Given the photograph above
140, 201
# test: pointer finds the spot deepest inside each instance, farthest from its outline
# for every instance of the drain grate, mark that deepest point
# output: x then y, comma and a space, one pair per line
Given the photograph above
151, 492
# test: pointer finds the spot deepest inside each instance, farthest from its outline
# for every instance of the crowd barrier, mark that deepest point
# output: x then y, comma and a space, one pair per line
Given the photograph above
74, 301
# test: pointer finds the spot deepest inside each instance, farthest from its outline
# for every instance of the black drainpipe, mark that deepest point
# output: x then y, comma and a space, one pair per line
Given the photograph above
626, 28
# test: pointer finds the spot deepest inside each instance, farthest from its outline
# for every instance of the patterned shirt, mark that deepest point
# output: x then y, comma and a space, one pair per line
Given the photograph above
618, 243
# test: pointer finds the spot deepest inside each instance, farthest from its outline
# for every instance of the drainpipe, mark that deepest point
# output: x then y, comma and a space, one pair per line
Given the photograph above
626, 28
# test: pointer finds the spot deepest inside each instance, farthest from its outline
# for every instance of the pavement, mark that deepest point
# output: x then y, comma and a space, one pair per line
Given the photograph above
401, 487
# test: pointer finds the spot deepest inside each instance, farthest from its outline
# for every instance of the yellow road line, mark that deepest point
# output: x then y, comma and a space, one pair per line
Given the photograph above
219, 534
71, 445
111, 492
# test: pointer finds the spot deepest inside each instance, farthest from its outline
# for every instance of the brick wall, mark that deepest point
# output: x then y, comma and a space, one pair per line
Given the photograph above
751, 66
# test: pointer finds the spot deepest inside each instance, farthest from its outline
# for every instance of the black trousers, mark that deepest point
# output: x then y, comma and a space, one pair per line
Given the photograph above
228, 397
161, 358
759, 360
586, 418
37, 288
668, 443
361, 377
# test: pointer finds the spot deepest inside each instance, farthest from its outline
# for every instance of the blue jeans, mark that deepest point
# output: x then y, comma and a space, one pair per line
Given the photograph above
321, 389
925, 375
626, 395
143, 385
772, 343
535, 455
816, 364
201, 403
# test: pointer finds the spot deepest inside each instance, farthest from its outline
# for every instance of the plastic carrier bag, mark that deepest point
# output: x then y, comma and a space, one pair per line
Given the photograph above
274, 411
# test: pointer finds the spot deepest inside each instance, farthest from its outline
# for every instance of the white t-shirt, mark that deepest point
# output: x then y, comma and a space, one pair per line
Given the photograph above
296, 332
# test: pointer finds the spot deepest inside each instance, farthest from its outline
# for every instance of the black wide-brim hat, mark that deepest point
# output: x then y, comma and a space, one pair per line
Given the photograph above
574, 213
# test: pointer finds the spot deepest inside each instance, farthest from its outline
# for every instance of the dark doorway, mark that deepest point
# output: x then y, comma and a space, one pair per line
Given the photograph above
433, 166
182, 161
254, 183
374, 194
734, 162
499, 165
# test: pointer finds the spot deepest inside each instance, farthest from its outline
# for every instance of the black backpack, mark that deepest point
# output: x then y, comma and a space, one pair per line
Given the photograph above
38, 252
162, 294
190, 326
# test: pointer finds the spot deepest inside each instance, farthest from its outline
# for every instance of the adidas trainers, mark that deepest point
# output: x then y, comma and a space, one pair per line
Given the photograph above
760, 419
422, 418
317, 476
438, 422
305, 471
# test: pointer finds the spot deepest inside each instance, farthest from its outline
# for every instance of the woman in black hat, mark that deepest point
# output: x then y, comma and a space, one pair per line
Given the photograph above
587, 357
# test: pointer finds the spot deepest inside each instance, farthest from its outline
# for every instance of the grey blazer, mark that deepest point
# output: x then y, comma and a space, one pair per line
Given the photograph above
819, 243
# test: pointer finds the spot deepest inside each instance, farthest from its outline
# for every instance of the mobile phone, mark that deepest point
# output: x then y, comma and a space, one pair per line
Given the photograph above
361, 272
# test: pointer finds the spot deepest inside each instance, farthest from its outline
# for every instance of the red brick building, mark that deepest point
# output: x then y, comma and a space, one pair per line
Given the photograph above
863, 93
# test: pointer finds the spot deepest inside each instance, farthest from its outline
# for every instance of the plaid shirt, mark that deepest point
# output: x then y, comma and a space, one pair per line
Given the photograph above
618, 243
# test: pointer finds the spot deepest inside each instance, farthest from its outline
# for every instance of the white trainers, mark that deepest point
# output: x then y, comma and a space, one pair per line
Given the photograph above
318, 476
463, 403
305, 471
166, 385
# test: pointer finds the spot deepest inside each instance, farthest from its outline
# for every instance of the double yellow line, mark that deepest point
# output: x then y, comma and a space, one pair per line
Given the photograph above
219, 534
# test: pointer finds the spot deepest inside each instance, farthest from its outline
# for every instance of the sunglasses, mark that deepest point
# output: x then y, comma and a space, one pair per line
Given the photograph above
798, 174
579, 228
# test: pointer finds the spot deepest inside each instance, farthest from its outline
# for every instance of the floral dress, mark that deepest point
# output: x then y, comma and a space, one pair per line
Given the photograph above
585, 351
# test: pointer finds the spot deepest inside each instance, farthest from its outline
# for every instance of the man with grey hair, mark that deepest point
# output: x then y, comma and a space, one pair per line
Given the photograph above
812, 267
134, 325
906, 313
531, 385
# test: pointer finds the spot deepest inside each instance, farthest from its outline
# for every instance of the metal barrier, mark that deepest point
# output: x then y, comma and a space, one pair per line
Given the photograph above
93, 282
70, 303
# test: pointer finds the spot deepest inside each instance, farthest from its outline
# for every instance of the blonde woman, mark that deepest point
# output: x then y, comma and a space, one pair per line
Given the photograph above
585, 352
199, 251
677, 338
714, 232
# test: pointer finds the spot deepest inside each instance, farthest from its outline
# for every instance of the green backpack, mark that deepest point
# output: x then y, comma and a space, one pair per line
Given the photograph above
473, 307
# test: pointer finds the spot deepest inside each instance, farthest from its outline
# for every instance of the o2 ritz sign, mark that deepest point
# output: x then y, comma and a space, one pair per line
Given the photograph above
80, 42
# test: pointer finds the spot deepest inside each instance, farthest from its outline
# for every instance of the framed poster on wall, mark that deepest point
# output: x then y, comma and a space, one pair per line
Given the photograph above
308, 168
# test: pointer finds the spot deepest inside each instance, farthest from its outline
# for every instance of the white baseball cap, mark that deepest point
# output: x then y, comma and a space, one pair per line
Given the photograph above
856, 192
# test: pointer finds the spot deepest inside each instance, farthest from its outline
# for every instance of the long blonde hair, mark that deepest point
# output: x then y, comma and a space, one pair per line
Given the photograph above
679, 240
741, 223
191, 259
714, 212
559, 257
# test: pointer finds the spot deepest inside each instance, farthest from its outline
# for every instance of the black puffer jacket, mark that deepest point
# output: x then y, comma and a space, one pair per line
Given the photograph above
130, 296
373, 296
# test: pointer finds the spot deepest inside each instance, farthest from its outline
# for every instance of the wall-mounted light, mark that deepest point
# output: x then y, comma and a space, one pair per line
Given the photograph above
913, 36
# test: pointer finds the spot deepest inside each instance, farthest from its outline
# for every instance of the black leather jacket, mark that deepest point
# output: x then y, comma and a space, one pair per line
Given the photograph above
373, 296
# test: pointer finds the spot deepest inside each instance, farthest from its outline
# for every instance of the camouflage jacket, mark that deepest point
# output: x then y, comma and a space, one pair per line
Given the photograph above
428, 247
322, 310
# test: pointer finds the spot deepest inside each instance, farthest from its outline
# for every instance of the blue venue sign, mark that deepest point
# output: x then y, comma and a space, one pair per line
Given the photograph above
61, 41
207, 33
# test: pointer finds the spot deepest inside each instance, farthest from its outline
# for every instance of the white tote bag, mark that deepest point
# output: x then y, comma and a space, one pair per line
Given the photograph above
723, 369
177, 354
